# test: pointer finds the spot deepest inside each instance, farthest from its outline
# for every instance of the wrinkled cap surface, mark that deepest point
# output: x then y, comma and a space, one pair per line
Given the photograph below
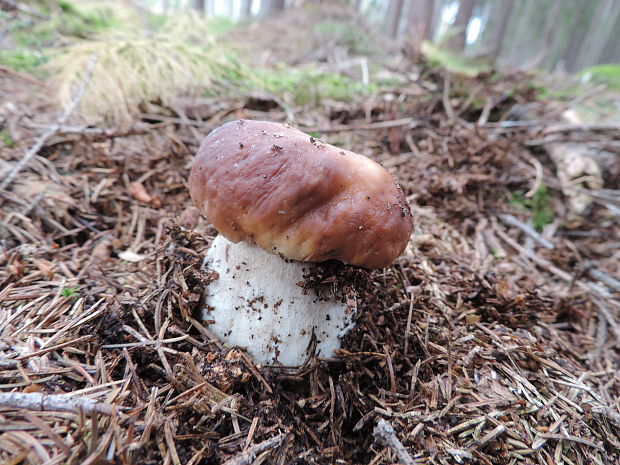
295, 196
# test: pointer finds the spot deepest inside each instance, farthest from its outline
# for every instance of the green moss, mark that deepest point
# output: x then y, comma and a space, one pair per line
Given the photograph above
602, 74
30, 41
343, 33
307, 86
539, 206
6, 139
22, 59
442, 58
608, 74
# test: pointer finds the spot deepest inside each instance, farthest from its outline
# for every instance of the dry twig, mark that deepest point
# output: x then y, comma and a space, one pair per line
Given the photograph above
386, 434
511, 220
247, 456
53, 402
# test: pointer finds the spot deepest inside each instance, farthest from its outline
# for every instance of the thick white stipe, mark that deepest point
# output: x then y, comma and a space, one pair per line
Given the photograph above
257, 304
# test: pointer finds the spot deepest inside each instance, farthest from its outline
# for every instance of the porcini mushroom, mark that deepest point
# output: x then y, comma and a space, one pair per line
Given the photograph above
281, 200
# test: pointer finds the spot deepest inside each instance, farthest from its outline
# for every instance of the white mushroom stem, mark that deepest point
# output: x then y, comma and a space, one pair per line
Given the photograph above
256, 303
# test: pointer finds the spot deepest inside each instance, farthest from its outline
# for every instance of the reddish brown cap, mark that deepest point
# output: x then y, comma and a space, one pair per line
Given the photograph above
296, 196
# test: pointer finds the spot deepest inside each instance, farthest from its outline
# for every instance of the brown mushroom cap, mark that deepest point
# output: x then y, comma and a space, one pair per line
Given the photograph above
296, 196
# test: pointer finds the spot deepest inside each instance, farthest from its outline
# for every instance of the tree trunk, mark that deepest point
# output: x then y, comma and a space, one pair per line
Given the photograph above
436, 21
551, 21
551, 29
611, 54
466, 8
519, 50
501, 25
583, 15
393, 17
557, 32
601, 26
199, 5
270, 7
420, 20
245, 9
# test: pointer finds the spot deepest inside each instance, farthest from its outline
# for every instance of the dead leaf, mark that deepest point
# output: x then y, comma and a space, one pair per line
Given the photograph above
156, 202
138, 192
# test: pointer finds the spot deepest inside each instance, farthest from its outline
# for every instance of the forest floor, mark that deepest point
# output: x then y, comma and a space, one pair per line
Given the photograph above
493, 339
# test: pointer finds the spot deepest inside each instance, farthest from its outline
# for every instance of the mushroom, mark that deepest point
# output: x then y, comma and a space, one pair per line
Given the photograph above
282, 200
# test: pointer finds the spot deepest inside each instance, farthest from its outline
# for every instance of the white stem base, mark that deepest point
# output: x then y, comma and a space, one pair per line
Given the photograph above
256, 304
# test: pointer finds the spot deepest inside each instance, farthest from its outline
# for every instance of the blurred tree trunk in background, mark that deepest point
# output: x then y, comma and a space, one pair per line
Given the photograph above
466, 8
562, 35
611, 54
553, 27
583, 16
601, 26
500, 26
270, 7
558, 30
520, 37
420, 21
436, 21
551, 22
245, 9
393, 17
199, 5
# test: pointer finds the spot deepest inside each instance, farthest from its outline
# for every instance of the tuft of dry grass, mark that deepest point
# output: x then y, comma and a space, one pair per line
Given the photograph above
135, 66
